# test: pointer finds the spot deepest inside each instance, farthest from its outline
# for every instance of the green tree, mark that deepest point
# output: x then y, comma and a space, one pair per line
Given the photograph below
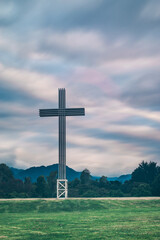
146, 172
52, 181
156, 186
7, 181
103, 182
141, 190
28, 186
5, 173
85, 176
76, 182
41, 187
115, 185
126, 187
116, 193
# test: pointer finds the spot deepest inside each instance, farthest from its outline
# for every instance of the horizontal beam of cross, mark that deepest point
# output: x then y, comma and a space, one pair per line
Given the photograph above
61, 112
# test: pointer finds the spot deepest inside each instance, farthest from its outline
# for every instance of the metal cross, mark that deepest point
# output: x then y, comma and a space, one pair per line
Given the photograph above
62, 112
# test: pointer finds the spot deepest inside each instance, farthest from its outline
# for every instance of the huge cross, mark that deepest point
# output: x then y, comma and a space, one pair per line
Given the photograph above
62, 112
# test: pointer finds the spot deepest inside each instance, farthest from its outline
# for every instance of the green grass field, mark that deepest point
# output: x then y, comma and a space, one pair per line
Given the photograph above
80, 219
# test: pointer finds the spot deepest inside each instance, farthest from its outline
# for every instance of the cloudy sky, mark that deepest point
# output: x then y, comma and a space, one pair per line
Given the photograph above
106, 54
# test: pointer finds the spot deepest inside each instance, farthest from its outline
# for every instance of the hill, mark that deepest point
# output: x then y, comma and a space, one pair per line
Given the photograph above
35, 172
121, 179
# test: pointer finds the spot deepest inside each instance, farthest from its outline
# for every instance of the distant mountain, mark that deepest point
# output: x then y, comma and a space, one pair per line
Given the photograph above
124, 178
15, 171
121, 179
35, 172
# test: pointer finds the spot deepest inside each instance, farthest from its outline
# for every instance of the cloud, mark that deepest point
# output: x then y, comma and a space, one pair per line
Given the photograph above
113, 157
8, 12
144, 132
146, 94
106, 54
86, 44
36, 84
97, 155
151, 11
122, 66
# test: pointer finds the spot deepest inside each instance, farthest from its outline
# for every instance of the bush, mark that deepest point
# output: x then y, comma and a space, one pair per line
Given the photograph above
142, 190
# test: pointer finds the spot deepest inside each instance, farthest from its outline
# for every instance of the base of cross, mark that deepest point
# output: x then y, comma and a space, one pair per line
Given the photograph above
62, 188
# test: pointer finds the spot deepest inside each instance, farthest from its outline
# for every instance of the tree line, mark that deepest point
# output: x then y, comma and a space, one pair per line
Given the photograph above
145, 181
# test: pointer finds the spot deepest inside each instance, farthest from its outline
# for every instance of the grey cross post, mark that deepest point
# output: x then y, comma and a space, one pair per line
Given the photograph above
62, 112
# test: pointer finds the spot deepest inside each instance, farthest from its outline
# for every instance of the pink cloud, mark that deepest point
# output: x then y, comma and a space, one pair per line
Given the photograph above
97, 78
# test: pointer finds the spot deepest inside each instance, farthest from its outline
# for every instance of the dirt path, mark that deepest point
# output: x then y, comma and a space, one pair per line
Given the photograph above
108, 198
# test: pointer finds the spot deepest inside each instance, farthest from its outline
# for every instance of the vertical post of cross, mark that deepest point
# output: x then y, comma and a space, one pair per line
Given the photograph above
62, 112
62, 184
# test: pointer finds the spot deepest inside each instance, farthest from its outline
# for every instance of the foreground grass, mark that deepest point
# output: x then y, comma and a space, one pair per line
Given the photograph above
80, 219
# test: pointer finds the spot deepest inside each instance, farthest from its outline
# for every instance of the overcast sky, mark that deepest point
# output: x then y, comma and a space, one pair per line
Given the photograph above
106, 54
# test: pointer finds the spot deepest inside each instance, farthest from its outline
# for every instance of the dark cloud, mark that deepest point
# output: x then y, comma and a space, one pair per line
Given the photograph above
112, 18
144, 92
12, 95
123, 137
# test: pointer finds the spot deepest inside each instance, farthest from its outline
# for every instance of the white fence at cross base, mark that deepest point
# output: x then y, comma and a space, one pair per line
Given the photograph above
62, 188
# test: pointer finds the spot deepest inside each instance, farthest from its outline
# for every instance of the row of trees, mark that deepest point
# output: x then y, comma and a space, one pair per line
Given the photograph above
11, 187
145, 181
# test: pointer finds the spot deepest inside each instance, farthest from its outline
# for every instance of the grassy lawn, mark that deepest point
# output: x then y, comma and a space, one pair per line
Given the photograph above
80, 219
